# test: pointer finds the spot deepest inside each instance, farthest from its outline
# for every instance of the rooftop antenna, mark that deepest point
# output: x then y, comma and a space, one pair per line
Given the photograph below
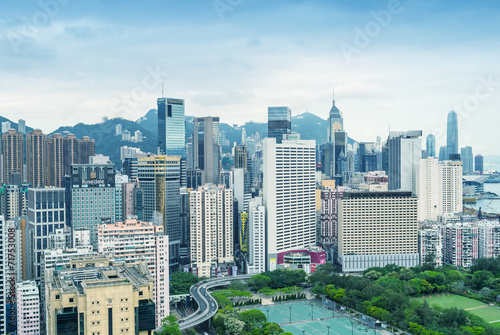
333, 94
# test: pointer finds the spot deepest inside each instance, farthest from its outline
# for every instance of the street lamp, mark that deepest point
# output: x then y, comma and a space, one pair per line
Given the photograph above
267, 310
312, 311
328, 329
303, 332
352, 326
290, 307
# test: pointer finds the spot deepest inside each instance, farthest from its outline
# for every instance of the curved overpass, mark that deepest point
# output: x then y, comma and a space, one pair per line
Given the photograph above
207, 306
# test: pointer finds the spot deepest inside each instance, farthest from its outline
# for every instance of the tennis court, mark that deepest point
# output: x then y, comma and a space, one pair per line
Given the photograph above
301, 314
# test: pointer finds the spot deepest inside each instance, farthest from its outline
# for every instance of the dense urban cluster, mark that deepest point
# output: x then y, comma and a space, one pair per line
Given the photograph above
90, 246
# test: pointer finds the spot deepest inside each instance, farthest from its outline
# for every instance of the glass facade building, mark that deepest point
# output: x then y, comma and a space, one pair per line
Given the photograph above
431, 145
171, 127
279, 122
452, 134
467, 159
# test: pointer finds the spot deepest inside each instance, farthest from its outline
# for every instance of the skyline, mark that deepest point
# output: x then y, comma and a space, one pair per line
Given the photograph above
423, 60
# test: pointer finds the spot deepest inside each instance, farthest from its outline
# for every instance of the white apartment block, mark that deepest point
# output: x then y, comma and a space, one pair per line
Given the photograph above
451, 172
28, 308
376, 229
211, 227
430, 190
289, 171
133, 242
430, 242
489, 239
440, 188
257, 237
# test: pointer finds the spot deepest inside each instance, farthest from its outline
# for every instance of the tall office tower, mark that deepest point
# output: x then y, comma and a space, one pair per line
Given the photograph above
376, 229
431, 145
460, 243
340, 145
451, 172
335, 122
489, 239
405, 152
103, 298
70, 153
171, 127
329, 214
159, 178
256, 237
430, 190
150, 247
184, 250
479, 164
12, 151
452, 134
289, 196
46, 213
430, 245
36, 158
128, 200
207, 148
240, 157
21, 126
467, 159
86, 149
367, 159
28, 308
279, 122
120, 181
241, 188
55, 156
443, 153
327, 159
211, 227
92, 197
189, 153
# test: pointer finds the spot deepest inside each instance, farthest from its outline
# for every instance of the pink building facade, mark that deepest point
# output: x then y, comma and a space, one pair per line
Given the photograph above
28, 308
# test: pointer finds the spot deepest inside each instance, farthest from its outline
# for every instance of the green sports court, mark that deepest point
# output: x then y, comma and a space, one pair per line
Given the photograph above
301, 314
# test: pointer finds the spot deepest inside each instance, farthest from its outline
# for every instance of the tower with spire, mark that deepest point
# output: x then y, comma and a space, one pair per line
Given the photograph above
335, 121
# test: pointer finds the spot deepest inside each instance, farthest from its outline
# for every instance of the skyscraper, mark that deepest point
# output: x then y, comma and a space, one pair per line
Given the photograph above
452, 134
211, 227
431, 145
21, 126
206, 142
478, 164
467, 159
279, 122
36, 158
430, 190
289, 170
171, 127
405, 151
12, 151
92, 197
257, 237
86, 149
55, 156
159, 179
335, 122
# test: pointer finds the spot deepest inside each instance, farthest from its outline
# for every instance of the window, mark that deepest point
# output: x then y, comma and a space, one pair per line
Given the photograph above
71, 300
58, 297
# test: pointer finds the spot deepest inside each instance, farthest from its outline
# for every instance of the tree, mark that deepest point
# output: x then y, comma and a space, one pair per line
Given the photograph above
233, 325
170, 326
258, 282
181, 281
238, 285
253, 317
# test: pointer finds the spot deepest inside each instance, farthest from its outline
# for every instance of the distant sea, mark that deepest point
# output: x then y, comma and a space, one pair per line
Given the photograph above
490, 205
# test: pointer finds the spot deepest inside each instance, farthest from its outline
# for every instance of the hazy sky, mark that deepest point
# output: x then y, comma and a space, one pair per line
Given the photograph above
398, 65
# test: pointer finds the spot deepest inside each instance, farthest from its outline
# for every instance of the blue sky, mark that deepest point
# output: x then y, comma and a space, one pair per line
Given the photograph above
404, 67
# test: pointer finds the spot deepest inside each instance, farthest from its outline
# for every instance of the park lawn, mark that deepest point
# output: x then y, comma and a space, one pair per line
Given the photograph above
488, 313
451, 300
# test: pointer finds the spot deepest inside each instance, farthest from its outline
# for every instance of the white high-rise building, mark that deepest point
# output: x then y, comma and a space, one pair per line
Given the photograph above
28, 308
430, 242
289, 196
211, 227
257, 237
451, 172
430, 190
489, 239
440, 188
